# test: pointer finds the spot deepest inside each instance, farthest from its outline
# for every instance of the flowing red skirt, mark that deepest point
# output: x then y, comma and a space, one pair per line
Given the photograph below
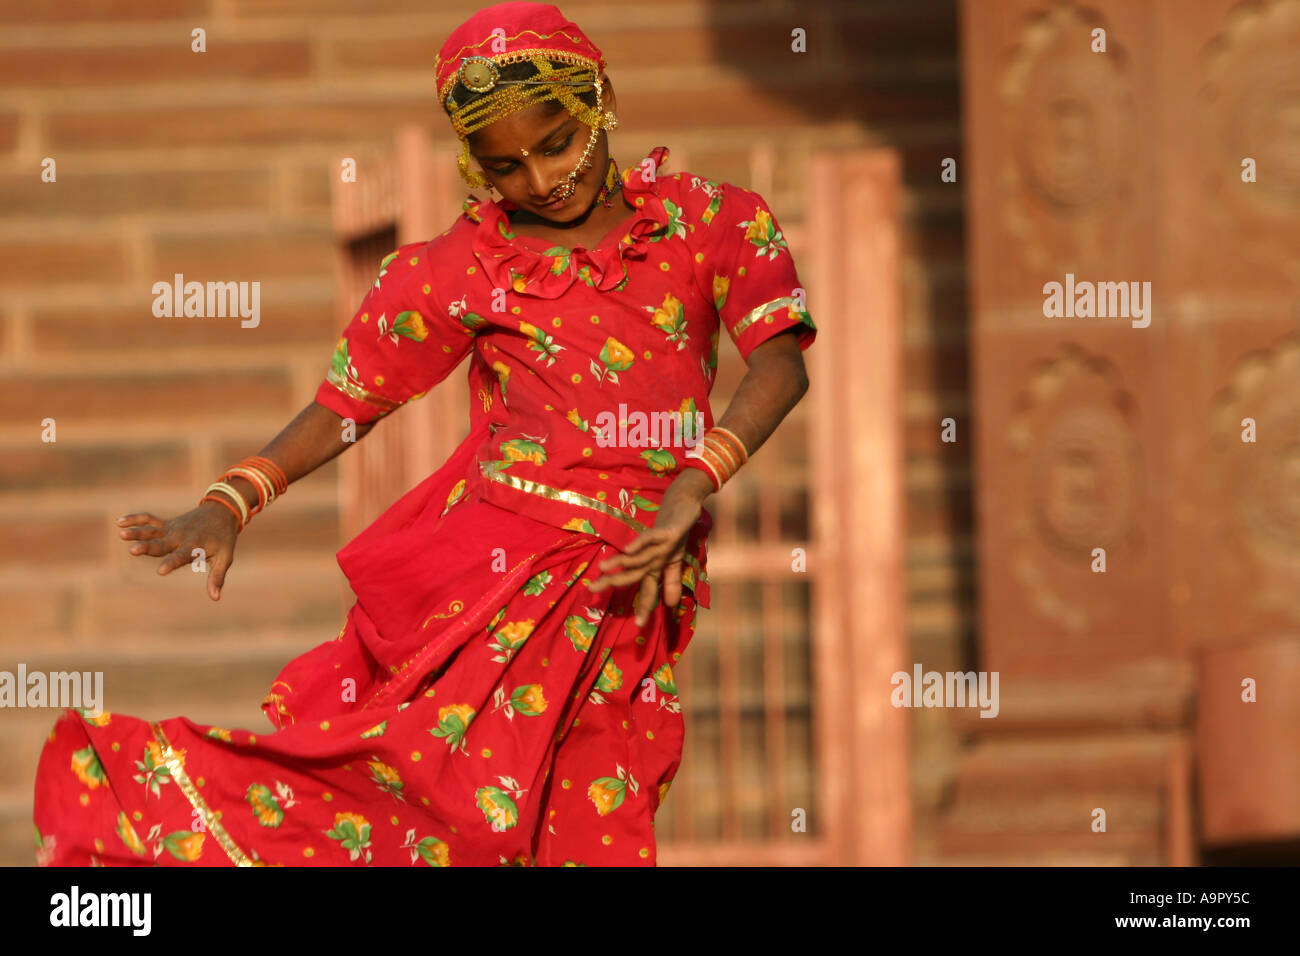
479, 707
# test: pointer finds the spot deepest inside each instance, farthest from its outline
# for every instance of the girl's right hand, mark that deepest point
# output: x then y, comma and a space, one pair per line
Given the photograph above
210, 526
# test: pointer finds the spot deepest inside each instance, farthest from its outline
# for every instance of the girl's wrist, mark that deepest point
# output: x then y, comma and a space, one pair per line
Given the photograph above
696, 483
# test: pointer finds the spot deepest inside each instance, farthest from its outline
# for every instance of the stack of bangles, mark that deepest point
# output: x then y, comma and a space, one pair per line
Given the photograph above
719, 454
263, 474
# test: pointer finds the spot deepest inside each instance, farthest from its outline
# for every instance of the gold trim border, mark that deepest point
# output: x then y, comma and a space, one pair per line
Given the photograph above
754, 314
559, 494
177, 771
358, 393
583, 501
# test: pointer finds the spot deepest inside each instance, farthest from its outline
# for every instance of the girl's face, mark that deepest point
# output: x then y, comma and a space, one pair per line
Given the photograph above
555, 141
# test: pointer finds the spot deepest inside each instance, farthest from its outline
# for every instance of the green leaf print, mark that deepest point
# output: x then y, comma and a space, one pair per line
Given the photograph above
86, 765
520, 449
537, 583
353, 833
580, 632
659, 460
527, 699
674, 226
184, 845
498, 808
264, 805
383, 267
611, 675
432, 851
453, 725
762, 232
152, 774
663, 678
560, 259
375, 731
341, 364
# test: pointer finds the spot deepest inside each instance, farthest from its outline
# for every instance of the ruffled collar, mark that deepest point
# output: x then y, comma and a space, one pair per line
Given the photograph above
520, 263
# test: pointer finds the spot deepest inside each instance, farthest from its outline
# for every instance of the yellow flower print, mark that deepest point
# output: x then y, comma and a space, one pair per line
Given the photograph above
184, 845
578, 524
615, 357
762, 232
606, 797
520, 449
541, 343
509, 639
498, 807
619, 355
758, 227
517, 630
529, 700
101, 721
128, 835
670, 318
352, 830
433, 851
576, 420
608, 793
386, 778
266, 808
87, 768
454, 495
409, 325
721, 285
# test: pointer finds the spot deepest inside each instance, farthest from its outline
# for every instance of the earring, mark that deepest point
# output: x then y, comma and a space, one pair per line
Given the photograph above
611, 121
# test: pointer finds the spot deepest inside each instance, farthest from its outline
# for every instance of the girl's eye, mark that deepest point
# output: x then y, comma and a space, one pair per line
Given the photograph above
512, 166
561, 148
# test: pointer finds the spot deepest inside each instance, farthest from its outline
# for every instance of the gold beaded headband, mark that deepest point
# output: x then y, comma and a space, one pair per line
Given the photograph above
479, 74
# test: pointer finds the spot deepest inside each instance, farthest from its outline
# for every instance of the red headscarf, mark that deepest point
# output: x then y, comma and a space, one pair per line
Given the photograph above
509, 31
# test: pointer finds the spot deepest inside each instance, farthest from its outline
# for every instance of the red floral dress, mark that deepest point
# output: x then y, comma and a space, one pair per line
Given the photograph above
480, 706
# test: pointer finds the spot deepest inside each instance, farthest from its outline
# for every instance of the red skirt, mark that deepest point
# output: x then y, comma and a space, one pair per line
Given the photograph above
479, 707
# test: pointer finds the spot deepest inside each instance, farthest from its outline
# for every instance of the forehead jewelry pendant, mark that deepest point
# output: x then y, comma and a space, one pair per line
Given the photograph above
478, 74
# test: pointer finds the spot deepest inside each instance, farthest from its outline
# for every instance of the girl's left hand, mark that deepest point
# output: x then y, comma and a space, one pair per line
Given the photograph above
658, 551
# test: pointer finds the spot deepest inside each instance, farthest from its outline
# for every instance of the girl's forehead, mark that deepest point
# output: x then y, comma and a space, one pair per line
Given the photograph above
524, 128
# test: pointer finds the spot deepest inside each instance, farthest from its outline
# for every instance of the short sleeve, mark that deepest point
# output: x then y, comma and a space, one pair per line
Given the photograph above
402, 341
744, 265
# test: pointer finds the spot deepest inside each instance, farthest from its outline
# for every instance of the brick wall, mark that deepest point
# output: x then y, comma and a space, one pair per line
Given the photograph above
216, 165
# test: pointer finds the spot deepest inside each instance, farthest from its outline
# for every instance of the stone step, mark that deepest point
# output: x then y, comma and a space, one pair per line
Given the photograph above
69, 613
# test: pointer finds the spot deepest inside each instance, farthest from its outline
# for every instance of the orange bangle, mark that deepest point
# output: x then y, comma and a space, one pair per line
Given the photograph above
222, 501
277, 474
728, 435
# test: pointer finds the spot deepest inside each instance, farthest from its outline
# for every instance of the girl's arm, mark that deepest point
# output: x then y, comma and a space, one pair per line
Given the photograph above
775, 382
314, 437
